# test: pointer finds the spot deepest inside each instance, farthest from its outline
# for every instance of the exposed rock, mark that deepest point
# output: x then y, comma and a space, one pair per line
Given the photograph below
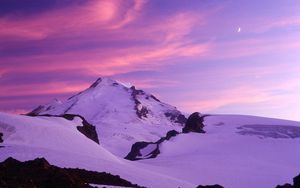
136, 154
96, 83
39, 173
153, 97
171, 134
36, 111
287, 185
181, 119
210, 186
296, 183
177, 117
141, 111
1, 140
194, 123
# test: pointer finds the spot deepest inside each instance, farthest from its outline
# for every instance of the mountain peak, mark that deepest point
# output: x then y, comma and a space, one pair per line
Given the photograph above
103, 81
116, 110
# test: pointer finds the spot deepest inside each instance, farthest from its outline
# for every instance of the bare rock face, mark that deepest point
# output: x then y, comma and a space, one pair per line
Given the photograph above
296, 183
1, 140
141, 111
176, 117
210, 186
39, 173
287, 185
194, 123
153, 150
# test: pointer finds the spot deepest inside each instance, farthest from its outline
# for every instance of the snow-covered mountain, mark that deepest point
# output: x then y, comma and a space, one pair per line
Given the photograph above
233, 150
121, 115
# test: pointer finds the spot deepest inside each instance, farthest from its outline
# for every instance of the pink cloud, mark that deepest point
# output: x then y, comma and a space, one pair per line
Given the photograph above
15, 111
239, 95
255, 93
35, 89
173, 43
97, 15
131, 14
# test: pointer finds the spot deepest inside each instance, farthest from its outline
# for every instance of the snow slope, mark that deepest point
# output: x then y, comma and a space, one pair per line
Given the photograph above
236, 151
58, 140
51, 133
122, 115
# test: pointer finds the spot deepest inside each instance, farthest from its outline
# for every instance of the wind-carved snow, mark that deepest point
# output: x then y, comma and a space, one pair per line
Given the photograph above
270, 131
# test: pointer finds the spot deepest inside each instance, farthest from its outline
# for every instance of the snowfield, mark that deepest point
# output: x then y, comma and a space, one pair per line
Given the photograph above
236, 151
58, 140
225, 156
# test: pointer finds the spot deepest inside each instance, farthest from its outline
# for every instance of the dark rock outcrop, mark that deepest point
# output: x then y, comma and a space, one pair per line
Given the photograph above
39, 173
96, 83
156, 99
1, 139
140, 111
176, 117
287, 185
36, 111
169, 135
135, 152
194, 123
210, 186
296, 183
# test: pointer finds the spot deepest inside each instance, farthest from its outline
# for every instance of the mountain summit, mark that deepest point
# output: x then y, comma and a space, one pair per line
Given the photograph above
118, 111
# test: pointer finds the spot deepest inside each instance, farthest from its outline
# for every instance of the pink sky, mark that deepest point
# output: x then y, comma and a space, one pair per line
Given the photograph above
190, 54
